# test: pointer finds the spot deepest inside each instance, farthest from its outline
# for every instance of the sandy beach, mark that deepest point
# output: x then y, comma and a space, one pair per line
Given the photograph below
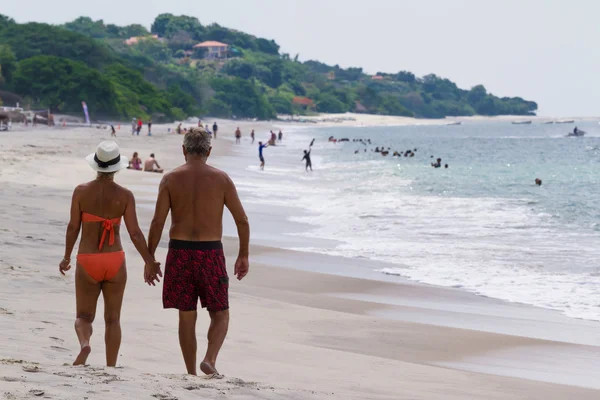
303, 325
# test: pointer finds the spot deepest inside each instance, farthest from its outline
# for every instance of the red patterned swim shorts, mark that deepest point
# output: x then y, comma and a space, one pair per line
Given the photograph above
196, 270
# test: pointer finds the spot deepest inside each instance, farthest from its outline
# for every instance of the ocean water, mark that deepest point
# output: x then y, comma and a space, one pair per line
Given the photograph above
481, 225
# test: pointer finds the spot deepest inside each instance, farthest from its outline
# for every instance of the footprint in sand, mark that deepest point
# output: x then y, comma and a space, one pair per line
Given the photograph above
164, 396
48, 322
58, 348
4, 311
36, 392
32, 368
59, 340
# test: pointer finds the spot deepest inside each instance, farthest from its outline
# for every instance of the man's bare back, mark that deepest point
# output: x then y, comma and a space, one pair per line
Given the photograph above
197, 198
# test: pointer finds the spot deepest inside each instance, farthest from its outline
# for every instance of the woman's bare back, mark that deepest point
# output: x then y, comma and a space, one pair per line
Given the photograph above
105, 199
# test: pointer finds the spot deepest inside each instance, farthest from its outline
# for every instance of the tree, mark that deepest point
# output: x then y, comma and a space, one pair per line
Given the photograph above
33, 39
5, 21
476, 95
240, 68
62, 85
135, 30
405, 76
328, 103
8, 63
243, 97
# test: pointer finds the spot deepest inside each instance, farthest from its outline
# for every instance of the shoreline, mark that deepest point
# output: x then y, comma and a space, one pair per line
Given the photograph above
308, 333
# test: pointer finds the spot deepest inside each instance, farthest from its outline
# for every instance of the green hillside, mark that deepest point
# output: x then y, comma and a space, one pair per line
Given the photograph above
168, 78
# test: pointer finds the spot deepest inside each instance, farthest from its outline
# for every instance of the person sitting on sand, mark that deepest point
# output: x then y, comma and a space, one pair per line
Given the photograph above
196, 194
151, 165
135, 162
97, 208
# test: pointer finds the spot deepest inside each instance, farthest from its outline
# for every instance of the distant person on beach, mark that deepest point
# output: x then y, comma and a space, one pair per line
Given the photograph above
133, 126
280, 135
113, 132
151, 165
135, 162
238, 135
150, 127
261, 147
140, 123
252, 136
195, 194
178, 130
97, 208
307, 159
208, 130
215, 129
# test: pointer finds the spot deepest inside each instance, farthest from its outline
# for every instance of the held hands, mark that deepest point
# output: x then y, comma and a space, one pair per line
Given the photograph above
152, 273
241, 267
64, 265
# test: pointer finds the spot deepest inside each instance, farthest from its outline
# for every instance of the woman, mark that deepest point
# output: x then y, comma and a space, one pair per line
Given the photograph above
98, 207
136, 162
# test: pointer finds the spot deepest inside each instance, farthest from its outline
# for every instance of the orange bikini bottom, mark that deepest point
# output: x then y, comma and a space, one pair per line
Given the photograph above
102, 266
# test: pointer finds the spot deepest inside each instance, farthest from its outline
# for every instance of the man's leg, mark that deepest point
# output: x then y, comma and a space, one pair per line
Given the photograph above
187, 339
219, 324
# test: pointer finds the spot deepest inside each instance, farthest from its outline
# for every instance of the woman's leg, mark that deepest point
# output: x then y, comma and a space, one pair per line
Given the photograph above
87, 291
112, 291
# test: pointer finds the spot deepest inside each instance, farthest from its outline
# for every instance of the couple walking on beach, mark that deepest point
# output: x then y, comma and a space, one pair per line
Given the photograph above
196, 195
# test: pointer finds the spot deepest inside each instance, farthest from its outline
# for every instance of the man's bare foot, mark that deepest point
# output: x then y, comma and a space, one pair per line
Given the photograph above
208, 369
83, 355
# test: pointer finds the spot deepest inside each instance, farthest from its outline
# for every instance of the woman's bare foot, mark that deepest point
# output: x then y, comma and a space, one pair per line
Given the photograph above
83, 355
208, 369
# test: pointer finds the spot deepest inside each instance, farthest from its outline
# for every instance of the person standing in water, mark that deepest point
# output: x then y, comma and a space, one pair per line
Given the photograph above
215, 129
196, 194
261, 146
238, 135
280, 135
252, 136
307, 156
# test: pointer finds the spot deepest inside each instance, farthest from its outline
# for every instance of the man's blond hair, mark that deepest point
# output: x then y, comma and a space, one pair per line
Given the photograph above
197, 142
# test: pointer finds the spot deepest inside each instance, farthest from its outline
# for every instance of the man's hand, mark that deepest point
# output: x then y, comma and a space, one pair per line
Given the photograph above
241, 267
152, 272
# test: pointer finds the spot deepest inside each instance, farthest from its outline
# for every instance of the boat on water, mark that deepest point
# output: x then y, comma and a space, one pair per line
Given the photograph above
567, 121
454, 123
521, 122
548, 123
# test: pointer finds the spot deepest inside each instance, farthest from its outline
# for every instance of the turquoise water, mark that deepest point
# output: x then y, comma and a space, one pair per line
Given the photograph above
481, 225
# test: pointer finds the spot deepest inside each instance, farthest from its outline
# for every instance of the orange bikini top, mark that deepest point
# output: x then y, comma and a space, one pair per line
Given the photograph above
109, 226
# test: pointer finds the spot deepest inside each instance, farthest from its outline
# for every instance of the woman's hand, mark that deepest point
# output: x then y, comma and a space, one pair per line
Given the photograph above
64, 265
152, 273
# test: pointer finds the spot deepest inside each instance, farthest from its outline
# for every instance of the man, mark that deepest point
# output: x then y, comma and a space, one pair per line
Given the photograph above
151, 165
133, 126
238, 135
252, 136
140, 123
113, 132
261, 146
150, 127
307, 158
196, 194
280, 135
215, 129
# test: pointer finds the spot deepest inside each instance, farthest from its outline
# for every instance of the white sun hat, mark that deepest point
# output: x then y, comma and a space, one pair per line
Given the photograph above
107, 158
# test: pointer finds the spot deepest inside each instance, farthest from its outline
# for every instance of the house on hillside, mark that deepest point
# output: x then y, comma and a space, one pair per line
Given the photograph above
377, 77
303, 102
214, 50
136, 39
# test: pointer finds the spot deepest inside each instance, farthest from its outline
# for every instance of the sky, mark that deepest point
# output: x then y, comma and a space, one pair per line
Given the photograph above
541, 50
